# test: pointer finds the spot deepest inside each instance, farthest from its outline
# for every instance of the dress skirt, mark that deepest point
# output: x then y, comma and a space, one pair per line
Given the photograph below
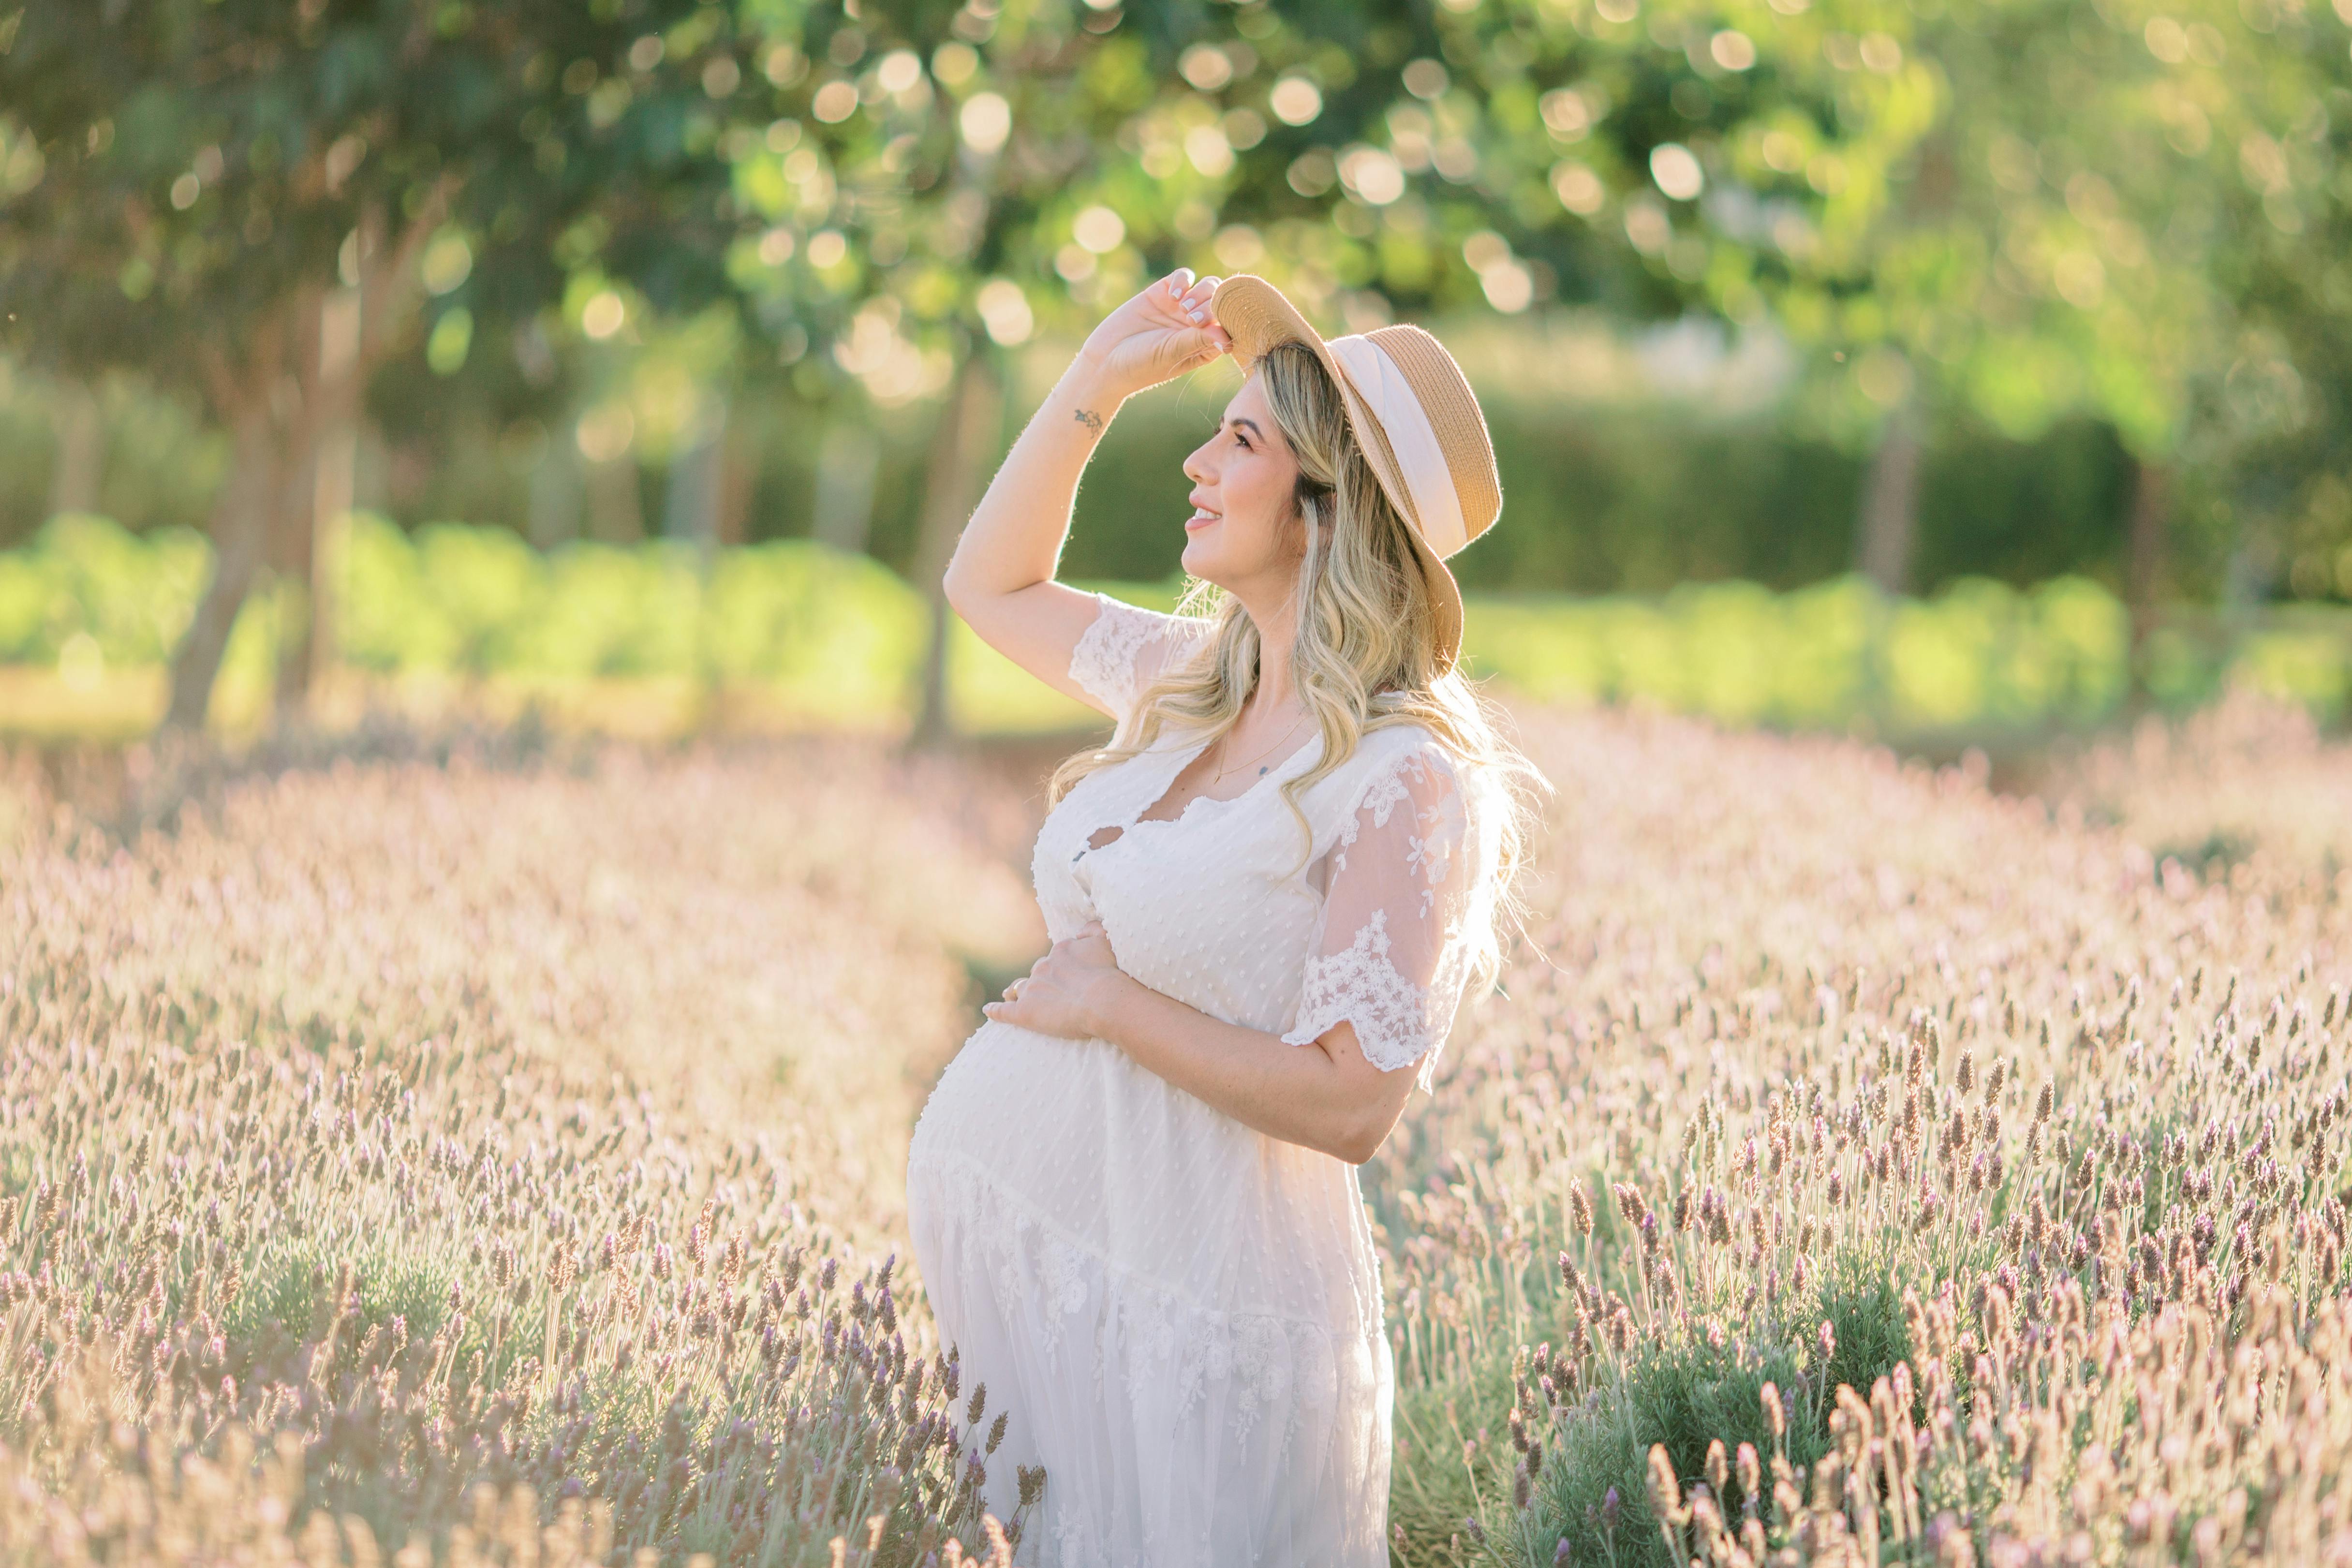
1180, 1316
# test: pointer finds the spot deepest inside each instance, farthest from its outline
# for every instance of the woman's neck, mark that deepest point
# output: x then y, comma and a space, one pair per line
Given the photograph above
1277, 632
1276, 689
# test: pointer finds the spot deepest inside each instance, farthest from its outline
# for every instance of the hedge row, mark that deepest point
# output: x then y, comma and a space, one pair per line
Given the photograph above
841, 636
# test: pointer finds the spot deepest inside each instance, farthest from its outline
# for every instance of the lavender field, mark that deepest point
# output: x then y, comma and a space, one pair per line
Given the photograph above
488, 1153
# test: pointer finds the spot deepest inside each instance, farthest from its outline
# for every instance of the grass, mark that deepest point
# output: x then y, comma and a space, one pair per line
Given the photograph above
1973, 1079
378, 1137
501, 1138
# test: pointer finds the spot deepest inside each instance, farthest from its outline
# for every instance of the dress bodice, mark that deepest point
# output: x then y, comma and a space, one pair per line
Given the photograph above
1253, 912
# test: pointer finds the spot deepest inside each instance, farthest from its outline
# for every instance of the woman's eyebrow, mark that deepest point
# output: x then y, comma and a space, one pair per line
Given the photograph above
1236, 419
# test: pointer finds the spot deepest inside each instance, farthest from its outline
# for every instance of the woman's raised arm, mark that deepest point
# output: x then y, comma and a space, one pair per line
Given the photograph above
1000, 578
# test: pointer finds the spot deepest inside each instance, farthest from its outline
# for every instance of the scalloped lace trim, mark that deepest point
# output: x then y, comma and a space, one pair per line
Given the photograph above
1359, 984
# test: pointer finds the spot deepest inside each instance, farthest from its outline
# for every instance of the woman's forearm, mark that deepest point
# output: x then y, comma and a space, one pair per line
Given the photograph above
1015, 534
1299, 1094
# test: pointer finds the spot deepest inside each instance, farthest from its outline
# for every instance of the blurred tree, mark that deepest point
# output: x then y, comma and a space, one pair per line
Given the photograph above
2121, 182
961, 177
625, 220
2040, 265
1751, 156
2260, 98
941, 182
1657, 159
1997, 207
251, 197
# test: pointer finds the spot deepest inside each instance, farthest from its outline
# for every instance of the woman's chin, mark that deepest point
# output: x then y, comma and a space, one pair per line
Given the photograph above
1208, 569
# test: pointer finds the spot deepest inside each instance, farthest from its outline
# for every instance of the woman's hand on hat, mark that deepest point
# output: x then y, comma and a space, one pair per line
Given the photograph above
1163, 331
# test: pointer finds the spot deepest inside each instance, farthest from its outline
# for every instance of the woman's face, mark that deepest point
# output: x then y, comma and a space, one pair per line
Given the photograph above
1243, 534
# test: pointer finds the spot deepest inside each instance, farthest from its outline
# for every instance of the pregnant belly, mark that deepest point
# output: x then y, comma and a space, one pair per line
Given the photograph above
1142, 1174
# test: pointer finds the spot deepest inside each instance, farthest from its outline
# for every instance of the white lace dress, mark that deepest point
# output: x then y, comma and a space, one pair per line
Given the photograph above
1182, 1315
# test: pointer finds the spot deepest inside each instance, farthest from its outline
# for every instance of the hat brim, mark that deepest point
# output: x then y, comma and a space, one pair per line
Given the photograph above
1257, 316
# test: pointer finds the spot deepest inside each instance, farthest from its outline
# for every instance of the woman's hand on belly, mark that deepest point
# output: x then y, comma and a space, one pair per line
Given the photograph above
1070, 992
1328, 1098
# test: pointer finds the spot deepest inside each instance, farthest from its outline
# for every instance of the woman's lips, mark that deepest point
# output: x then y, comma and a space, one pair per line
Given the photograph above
1200, 519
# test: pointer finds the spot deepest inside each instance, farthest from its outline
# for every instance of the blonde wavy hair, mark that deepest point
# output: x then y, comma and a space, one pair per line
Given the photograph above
1366, 656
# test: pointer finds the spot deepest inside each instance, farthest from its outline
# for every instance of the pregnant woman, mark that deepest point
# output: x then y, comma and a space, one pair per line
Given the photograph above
1133, 1194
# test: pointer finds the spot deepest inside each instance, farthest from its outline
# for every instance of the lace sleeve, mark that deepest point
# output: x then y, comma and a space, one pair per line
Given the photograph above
1405, 892
1123, 650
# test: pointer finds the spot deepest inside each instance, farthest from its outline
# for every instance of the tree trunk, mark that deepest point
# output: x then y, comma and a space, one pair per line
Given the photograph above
696, 476
338, 469
80, 427
293, 556
556, 486
241, 531
2144, 572
326, 348
337, 337
1886, 530
846, 458
735, 484
957, 449
333, 487
1890, 502
615, 508
369, 461
345, 333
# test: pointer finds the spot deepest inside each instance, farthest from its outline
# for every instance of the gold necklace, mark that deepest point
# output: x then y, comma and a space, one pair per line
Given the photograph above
1221, 773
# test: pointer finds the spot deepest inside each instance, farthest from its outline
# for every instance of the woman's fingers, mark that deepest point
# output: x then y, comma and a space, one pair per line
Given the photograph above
1011, 994
1196, 310
1190, 294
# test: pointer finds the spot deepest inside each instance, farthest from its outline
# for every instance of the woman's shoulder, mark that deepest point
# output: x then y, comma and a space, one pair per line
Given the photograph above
1394, 758
1412, 761
1125, 648
1118, 624
1399, 744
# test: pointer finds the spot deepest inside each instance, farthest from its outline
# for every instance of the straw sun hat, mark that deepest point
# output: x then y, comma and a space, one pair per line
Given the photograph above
1412, 413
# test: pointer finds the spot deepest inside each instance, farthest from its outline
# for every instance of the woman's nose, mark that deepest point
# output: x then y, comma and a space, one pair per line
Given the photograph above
1200, 463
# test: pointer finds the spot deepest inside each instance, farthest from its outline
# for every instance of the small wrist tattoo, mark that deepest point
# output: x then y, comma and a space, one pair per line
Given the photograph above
1090, 420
